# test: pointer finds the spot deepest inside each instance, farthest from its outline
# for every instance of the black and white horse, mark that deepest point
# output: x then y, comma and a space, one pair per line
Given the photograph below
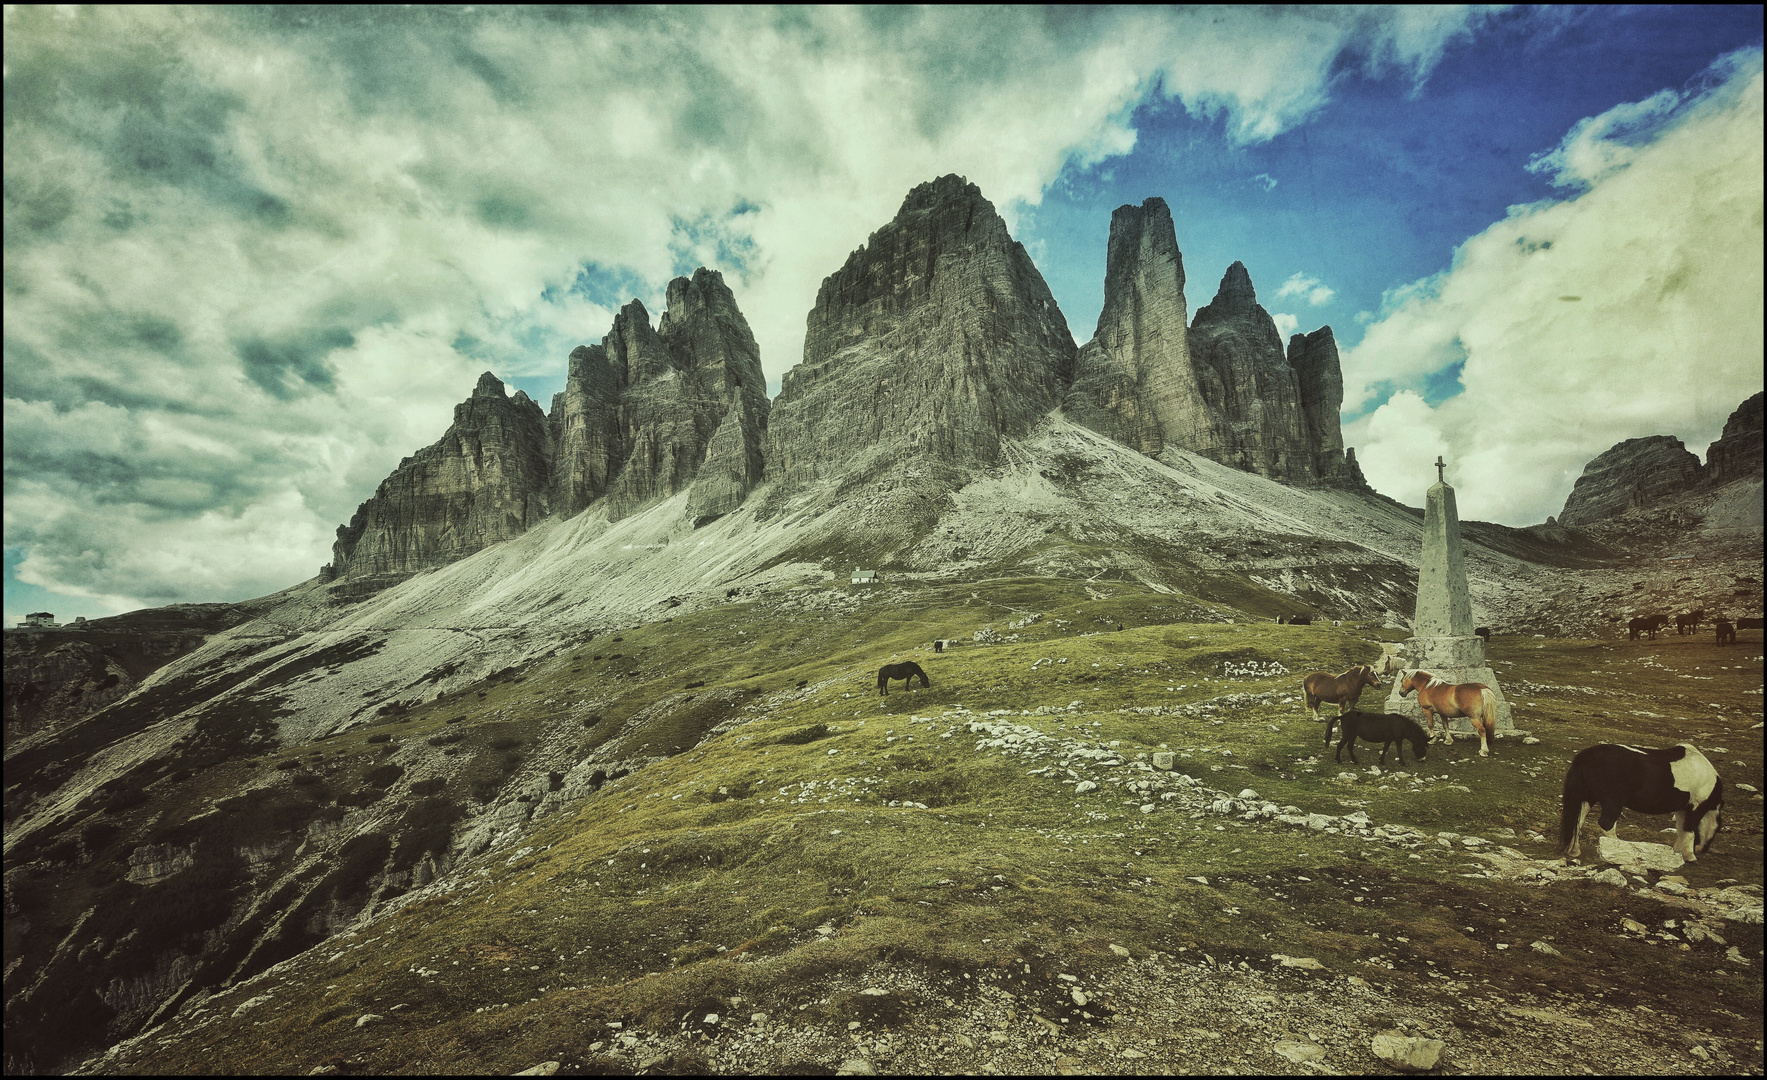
1676, 780
907, 670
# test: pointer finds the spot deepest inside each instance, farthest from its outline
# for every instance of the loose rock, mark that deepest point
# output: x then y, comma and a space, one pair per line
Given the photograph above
1408, 1053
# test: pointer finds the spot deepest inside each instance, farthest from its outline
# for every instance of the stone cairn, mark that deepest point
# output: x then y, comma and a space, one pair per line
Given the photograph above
1442, 641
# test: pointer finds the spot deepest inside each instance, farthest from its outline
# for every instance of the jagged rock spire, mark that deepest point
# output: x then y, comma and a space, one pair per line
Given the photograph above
934, 341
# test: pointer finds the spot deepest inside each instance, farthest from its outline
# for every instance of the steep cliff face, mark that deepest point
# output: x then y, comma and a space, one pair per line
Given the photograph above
1737, 454
713, 345
584, 430
1320, 378
485, 480
1134, 380
635, 421
1629, 476
935, 341
665, 417
1246, 380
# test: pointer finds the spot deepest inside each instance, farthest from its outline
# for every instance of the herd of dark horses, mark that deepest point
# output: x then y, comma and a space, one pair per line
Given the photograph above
1689, 622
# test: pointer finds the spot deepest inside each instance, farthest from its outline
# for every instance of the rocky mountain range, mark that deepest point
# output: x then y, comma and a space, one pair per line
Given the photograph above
1221, 387
935, 342
259, 789
1641, 473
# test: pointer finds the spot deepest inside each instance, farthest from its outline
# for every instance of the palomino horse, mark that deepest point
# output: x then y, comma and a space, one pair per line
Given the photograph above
1341, 690
1445, 701
906, 671
1677, 780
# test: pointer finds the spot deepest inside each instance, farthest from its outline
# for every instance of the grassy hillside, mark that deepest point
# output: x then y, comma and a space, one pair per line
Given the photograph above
914, 879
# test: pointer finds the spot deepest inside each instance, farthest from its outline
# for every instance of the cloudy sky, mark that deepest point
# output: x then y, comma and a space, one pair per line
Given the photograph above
253, 257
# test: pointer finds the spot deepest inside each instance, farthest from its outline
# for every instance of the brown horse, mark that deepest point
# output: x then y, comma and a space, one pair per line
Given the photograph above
1474, 701
1341, 690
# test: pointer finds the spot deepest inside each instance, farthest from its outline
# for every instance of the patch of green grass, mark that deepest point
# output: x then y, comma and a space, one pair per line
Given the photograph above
763, 856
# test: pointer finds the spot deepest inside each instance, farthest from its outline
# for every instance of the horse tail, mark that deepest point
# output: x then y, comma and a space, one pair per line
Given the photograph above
1570, 815
1488, 711
882, 678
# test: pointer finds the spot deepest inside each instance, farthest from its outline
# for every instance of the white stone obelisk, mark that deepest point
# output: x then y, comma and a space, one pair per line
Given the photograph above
1442, 639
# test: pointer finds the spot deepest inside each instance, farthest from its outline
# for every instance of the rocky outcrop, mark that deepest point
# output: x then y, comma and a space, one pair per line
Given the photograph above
1253, 393
1737, 453
584, 427
68, 680
665, 417
1222, 386
935, 341
734, 459
485, 480
1134, 380
1314, 358
637, 418
1630, 475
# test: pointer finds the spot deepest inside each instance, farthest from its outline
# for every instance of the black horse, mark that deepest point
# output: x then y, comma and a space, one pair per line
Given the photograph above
1647, 624
906, 671
1383, 728
1726, 632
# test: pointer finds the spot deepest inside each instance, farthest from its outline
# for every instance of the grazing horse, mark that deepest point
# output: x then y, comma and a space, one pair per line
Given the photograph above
1383, 728
1688, 622
906, 671
1726, 632
1341, 690
938, 645
1748, 624
1677, 780
1445, 700
1300, 620
1484, 634
1647, 624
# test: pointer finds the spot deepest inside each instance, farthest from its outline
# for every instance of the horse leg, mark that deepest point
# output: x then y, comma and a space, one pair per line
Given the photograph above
1683, 845
1576, 845
1609, 820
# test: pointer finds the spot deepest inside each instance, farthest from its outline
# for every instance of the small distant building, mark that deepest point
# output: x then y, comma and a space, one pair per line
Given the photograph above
79, 620
42, 619
865, 577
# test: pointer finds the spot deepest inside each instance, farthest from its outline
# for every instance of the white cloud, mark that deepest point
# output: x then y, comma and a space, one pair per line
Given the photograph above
281, 245
1286, 324
1634, 308
1307, 288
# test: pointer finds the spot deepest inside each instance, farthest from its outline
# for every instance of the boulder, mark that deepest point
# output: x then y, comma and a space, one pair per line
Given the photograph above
1298, 1052
1408, 1053
1639, 857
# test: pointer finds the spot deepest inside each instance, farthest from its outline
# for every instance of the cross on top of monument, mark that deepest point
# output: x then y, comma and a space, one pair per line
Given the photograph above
1441, 478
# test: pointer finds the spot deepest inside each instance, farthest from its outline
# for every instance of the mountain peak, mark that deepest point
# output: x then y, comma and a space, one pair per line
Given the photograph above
489, 386
1236, 295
